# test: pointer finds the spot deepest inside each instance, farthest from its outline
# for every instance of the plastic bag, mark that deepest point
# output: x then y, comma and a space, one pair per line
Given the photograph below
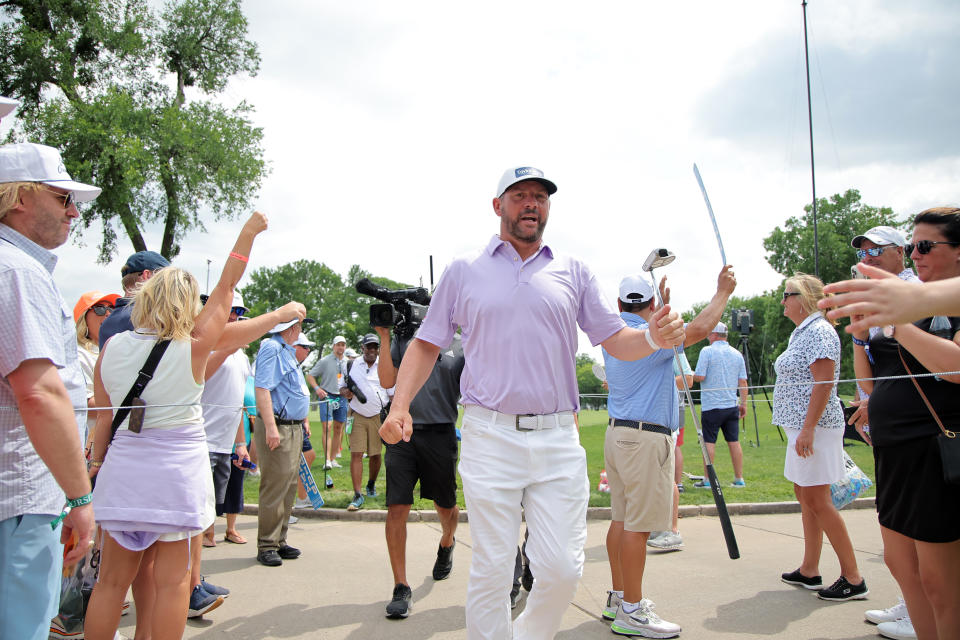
75, 588
854, 483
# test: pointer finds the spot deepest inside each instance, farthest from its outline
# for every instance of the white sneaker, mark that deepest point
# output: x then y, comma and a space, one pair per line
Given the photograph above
302, 504
667, 541
901, 629
894, 613
613, 603
293, 520
643, 622
335, 464
328, 465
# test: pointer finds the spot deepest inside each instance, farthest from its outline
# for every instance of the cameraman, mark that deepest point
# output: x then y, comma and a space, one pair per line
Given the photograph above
430, 457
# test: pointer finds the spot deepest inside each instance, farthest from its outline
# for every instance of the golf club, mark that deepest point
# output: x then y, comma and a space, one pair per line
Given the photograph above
659, 258
713, 219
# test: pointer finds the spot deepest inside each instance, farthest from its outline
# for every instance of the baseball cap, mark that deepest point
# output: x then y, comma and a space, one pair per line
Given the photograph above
513, 175
7, 105
284, 325
90, 298
339, 339
144, 261
881, 235
238, 301
634, 289
303, 341
370, 338
720, 328
350, 353
29, 162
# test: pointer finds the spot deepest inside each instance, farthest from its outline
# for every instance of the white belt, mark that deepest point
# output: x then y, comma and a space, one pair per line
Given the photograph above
522, 422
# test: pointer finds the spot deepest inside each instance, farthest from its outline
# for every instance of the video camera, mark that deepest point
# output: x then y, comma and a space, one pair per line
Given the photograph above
403, 309
742, 320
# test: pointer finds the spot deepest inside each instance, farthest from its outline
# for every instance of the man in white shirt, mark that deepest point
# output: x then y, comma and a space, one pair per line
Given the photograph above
365, 435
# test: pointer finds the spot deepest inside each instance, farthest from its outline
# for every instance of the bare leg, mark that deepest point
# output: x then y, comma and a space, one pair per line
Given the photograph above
373, 466
676, 509
614, 536
195, 558
939, 571
900, 556
337, 439
118, 568
736, 457
812, 536
830, 521
396, 533
232, 527
633, 559
448, 523
326, 438
678, 465
173, 589
356, 470
145, 594
711, 448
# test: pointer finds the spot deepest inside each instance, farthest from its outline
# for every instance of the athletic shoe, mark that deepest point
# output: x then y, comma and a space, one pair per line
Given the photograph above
842, 590
680, 487
302, 504
739, 483
339, 455
401, 602
57, 630
371, 491
814, 583
702, 484
900, 629
891, 614
254, 472
293, 520
202, 602
613, 603
213, 589
327, 465
667, 541
444, 562
643, 622
335, 464
356, 503
287, 552
269, 558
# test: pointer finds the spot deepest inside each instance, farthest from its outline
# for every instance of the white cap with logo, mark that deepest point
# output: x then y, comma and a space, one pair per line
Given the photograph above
28, 162
513, 175
882, 235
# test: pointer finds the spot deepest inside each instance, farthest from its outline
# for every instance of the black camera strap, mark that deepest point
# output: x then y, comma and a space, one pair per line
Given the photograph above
145, 375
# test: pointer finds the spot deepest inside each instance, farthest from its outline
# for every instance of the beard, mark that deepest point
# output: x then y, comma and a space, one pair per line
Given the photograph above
514, 229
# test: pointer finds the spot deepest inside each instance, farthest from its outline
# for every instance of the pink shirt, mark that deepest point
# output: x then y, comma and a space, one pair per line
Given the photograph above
519, 323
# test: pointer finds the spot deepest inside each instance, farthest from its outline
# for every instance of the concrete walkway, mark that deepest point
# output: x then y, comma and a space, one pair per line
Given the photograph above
339, 587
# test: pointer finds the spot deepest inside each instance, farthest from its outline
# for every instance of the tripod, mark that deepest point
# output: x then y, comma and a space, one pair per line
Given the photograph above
744, 348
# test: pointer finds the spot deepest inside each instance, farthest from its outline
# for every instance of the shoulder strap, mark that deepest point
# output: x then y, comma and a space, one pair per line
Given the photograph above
946, 432
145, 375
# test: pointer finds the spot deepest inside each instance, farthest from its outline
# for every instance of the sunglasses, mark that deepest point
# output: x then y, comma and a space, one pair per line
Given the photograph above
925, 246
238, 311
66, 199
101, 309
876, 251
787, 294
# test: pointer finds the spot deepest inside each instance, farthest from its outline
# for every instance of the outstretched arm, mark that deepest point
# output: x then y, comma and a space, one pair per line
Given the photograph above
708, 318
665, 330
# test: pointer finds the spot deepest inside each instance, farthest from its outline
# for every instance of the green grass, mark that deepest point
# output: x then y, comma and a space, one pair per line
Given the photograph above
763, 466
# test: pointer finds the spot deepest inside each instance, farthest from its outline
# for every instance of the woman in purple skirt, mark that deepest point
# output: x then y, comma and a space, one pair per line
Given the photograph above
154, 493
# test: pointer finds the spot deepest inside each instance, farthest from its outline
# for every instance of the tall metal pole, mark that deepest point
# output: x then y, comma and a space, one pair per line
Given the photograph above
813, 177
208, 276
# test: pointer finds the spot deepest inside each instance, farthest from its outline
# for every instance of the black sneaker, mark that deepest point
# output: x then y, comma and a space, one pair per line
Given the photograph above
444, 563
800, 580
288, 553
402, 602
842, 590
527, 578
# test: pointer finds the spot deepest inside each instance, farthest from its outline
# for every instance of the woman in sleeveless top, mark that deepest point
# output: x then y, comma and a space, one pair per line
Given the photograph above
153, 492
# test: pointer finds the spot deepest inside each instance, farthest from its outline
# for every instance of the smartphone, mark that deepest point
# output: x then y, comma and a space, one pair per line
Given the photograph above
246, 463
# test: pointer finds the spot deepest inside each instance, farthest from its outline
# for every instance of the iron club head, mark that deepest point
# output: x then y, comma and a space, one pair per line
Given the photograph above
658, 258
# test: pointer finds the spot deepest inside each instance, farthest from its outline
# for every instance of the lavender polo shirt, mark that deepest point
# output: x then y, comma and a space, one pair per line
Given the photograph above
519, 323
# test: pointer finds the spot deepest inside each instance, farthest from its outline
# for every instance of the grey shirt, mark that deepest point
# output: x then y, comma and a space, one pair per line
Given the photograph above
436, 402
326, 372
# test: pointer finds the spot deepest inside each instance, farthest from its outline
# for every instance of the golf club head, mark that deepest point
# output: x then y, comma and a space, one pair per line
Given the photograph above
599, 371
658, 258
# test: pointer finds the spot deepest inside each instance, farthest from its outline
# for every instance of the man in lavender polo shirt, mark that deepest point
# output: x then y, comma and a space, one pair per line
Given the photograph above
518, 304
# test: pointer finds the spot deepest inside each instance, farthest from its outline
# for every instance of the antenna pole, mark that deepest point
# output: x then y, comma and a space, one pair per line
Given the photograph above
813, 177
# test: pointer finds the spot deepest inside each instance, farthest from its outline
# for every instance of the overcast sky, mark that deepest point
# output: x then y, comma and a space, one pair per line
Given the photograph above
387, 125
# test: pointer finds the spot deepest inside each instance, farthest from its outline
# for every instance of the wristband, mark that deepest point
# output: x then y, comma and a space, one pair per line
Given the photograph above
234, 254
76, 502
860, 343
96, 463
653, 345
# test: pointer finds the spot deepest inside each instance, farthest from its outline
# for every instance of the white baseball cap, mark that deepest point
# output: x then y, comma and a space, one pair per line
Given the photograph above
303, 341
238, 301
634, 289
284, 325
339, 339
7, 105
28, 162
880, 236
513, 175
720, 328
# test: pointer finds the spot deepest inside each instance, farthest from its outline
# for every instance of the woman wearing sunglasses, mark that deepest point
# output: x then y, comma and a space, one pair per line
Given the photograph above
154, 493
812, 418
91, 310
919, 512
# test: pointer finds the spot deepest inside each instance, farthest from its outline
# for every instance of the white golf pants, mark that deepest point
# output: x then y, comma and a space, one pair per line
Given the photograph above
545, 473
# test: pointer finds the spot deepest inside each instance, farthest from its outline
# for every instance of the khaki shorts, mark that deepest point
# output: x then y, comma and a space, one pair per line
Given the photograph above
640, 475
365, 435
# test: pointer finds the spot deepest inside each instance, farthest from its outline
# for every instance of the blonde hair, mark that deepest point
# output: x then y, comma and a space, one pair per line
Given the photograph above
83, 334
810, 289
167, 303
10, 194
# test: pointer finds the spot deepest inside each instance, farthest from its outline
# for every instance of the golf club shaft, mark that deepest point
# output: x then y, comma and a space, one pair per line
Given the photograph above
732, 549
713, 219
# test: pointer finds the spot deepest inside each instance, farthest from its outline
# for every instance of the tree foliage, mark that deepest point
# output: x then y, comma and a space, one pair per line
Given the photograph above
105, 80
588, 383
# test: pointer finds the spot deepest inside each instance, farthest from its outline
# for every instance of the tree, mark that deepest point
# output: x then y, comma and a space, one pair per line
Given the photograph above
331, 300
839, 220
105, 81
588, 383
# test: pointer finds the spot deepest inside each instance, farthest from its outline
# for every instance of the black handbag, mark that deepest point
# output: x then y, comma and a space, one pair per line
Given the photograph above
947, 441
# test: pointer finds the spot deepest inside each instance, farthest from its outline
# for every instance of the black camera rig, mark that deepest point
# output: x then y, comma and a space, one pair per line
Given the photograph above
403, 309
